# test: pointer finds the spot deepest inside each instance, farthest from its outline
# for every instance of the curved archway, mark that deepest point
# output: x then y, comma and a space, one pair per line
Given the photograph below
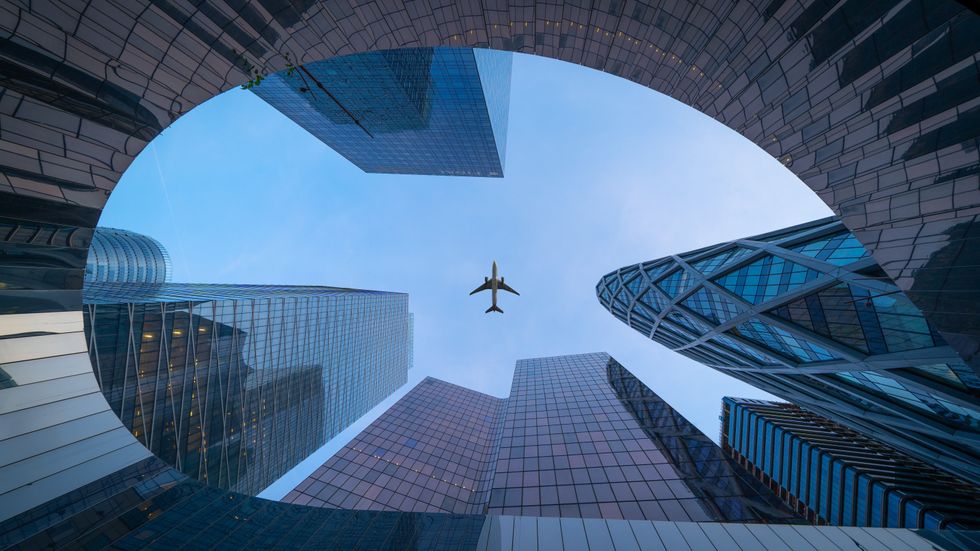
872, 104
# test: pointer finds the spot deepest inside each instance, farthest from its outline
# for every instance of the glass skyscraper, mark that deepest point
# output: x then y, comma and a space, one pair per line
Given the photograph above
432, 451
236, 384
806, 314
834, 475
579, 437
122, 256
871, 103
436, 111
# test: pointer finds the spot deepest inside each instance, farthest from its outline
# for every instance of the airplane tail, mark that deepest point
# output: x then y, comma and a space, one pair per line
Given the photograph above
494, 308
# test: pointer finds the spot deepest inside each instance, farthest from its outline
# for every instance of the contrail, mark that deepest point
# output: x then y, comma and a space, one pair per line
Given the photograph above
170, 208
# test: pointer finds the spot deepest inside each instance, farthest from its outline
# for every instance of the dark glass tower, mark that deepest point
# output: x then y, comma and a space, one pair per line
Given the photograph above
438, 111
121, 256
578, 437
236, 384
872, 104
806, 314
432, 451
834, 475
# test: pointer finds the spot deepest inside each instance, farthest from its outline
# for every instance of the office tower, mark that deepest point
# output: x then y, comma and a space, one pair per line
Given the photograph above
869, 103
236, 384
432, 451
807, 315
437, 111
121, 256
834, 475
579, 436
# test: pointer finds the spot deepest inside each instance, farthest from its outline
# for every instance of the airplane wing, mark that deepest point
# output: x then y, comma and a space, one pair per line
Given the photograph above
503, 287
484, 287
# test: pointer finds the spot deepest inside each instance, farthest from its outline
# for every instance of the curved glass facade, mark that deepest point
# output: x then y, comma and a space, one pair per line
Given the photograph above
122, 256
805, 313
871, 103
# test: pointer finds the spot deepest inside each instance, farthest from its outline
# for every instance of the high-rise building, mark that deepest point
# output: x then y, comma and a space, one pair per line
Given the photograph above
871, 103
834, 475
236, 384
432, 451
437, 111
122, 256
807, 315
579, 436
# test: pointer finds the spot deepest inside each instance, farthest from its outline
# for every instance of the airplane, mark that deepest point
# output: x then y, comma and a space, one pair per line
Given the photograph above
493, 284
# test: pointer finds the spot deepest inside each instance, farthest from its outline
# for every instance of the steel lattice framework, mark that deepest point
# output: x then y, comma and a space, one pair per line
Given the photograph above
806, 313
872, 103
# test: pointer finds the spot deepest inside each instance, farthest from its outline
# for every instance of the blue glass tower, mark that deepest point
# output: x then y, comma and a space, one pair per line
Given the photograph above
806, 314
122, 256
435, 111
834, 475
236, 384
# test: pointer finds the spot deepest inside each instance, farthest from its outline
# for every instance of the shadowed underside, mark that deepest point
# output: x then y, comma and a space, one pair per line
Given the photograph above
873, 104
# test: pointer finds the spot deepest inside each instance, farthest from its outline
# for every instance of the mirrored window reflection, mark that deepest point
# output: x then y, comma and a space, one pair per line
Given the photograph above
810, 318
439, 111
234, 385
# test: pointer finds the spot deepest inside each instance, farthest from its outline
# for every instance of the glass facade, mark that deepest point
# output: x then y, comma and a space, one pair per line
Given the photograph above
871, 103
236, 384
833, 477
430, 452
436, 111
579, 437
150, 506
806, 314
121, 256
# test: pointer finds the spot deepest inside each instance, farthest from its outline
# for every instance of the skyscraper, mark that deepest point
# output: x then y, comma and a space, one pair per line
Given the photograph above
432, 451
579, 436
438, 111
834, 475
870, 103
236, 384
806, 314
122, 256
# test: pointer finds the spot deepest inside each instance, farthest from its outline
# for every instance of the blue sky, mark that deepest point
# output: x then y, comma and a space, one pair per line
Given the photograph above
600, 173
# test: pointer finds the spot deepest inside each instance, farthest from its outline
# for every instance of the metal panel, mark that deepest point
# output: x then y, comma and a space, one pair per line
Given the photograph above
549, 534
813, 80
41, 346
45, 392
598, 535
573, 535
35, 371
647, 536
792, 538
720, 539
767, 537
874, 539
694, 536
525, 533
50, 438
622, 537
816, 537
671, 536
51, 322
908, 538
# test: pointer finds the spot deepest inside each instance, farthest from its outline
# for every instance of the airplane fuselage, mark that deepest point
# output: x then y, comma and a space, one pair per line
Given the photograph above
494, 284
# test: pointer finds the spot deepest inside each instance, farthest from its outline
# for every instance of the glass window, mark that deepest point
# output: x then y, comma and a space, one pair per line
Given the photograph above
878, 505
839, 249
